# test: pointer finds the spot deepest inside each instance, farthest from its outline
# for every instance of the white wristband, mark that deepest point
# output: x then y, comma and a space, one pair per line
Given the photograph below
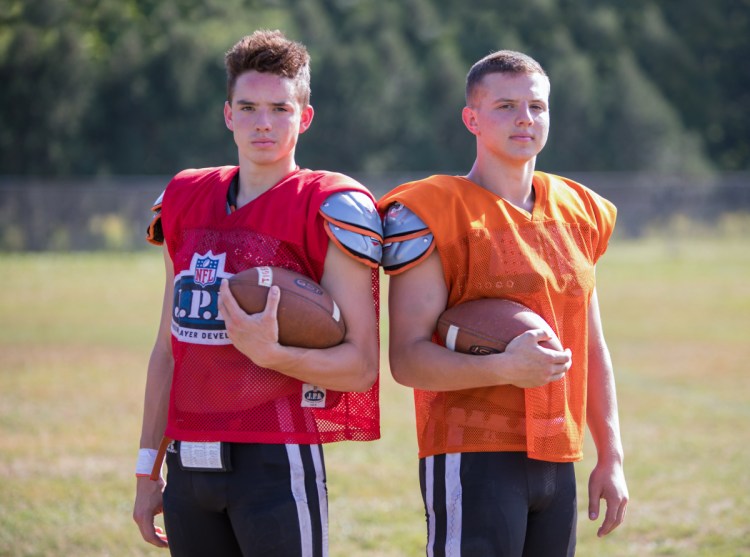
145, 463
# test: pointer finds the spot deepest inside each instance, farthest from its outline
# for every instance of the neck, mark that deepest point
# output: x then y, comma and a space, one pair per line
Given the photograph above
256, 179
511, 182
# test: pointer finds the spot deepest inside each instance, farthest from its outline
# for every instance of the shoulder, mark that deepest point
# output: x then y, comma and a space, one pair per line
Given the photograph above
573, 202
192, 176
180, 187
191, 181
329, 182
350, 216
422, 190
572, 195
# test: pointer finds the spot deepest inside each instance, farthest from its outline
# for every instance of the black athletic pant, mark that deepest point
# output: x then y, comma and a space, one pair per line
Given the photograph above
498, 505
273, 503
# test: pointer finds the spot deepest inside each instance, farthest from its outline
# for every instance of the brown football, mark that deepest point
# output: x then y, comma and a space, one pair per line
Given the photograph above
487, 325
308, 316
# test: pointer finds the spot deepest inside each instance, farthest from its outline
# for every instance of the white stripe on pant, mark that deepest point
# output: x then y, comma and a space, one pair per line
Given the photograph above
297, 474
453, 501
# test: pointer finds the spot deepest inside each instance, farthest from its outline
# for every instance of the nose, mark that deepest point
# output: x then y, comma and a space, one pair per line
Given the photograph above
262, 121
524, 116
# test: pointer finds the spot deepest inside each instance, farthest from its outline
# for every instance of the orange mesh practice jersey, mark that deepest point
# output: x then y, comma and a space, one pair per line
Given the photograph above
218, 394
545, 260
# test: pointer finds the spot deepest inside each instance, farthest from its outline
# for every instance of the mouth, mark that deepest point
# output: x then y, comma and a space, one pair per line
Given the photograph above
262, 142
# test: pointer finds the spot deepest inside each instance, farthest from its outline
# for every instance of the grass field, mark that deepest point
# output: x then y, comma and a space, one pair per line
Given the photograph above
75, 335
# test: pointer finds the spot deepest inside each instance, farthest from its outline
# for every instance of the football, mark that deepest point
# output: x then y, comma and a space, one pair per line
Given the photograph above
308, 316
487, 325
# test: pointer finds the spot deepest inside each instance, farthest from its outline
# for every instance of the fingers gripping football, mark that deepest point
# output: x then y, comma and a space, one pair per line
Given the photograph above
256, 335
534, 364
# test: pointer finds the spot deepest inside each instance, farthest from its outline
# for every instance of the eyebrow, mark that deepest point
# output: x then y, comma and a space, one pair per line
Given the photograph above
506, 100
253, 103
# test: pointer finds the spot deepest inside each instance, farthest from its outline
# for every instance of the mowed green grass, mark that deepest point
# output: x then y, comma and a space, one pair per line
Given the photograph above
76, 332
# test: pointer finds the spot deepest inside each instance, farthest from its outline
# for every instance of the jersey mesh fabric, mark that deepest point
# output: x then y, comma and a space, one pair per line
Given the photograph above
544, 260
218, 394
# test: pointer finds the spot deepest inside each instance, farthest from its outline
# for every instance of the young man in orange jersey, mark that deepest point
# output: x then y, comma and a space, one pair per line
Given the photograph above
246, 474
498, 434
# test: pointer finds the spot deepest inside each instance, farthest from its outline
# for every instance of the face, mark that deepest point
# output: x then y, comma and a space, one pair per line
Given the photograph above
266, 118
510, 116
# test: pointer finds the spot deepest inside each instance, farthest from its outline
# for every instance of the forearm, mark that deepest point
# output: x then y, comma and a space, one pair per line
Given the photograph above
602, 412
603, 421
602, 416
156, 399
422, 364
346, 367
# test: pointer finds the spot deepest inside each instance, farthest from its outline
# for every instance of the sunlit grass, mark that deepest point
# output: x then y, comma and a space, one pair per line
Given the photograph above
677, 317
74, 340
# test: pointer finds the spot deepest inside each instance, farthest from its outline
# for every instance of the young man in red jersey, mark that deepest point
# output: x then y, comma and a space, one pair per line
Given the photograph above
498, 434
246, 474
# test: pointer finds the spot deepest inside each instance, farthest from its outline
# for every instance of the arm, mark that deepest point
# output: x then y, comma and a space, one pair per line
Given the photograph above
148, 499
607, 480
417, 297
349, 366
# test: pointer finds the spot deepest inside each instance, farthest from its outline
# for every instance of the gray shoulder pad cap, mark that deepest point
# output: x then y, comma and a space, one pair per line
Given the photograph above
401, 221
407, 240
354, 224
362, 247
355, 209
406, 253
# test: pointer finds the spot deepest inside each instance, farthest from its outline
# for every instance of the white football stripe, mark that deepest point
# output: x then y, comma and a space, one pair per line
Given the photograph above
336, 312
265, 276
450, 338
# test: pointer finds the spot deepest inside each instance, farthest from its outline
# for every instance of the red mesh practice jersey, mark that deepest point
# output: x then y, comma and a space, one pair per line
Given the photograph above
218, 394
544, 260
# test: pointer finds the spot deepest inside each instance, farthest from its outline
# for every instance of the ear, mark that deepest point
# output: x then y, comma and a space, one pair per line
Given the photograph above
470, 120
306, 118
228, 116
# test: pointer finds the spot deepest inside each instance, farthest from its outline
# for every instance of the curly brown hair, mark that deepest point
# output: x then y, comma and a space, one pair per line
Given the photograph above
502, 61
269, 51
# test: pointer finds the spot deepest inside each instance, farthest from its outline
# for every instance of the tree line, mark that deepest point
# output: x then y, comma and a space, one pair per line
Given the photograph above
99, 87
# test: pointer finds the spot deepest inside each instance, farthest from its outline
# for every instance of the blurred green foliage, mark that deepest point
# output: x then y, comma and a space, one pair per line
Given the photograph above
97, 87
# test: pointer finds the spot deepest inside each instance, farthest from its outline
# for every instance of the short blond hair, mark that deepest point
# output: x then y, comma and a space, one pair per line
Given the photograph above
501, 61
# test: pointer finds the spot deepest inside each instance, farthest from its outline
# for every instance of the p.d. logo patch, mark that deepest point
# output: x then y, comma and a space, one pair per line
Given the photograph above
195, 316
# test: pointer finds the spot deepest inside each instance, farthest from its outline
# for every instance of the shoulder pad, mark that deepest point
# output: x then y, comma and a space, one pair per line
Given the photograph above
407, 240
353, 224
401, 221
353, 208
154, 232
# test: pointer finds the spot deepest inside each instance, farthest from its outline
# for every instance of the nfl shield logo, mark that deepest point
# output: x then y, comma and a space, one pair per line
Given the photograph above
206, 270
